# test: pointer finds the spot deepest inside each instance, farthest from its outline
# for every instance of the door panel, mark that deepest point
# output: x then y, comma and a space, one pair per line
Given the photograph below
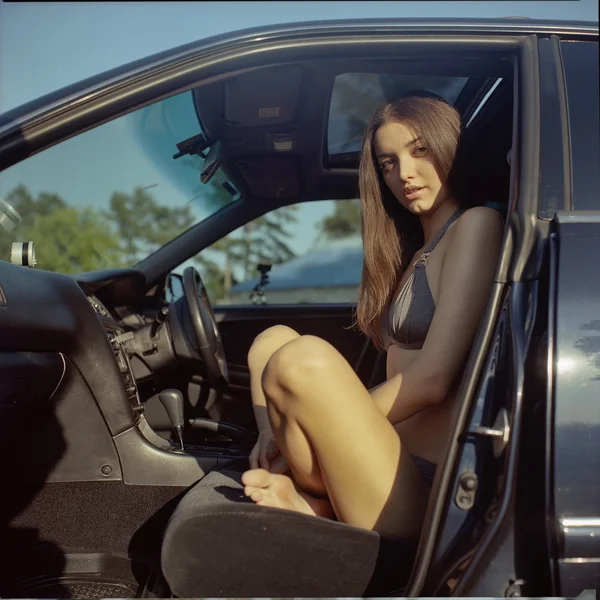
575, 458
239, 325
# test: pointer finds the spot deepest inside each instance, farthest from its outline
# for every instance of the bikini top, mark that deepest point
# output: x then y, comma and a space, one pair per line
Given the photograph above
407, 319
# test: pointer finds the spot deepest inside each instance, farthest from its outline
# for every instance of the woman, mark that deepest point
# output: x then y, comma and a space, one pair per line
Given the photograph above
366, 457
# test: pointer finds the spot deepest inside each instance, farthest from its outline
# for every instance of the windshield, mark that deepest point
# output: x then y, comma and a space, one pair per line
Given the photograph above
112, 195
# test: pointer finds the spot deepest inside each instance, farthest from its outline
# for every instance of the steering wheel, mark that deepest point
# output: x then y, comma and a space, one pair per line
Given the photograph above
204, 325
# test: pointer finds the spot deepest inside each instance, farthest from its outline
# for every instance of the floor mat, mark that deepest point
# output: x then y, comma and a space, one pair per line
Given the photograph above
78, 587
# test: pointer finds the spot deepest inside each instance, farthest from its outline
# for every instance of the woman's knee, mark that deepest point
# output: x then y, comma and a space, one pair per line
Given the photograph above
268, 342
297, 364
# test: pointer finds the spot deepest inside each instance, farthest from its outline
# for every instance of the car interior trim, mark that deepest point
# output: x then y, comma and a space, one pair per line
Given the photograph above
525, 260
143, 463
565, 125
555, 194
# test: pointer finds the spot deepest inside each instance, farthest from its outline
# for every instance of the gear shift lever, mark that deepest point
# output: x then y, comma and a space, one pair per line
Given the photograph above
172, 400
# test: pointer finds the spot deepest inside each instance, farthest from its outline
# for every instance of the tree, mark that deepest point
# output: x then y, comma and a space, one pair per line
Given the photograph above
213, 278
342, 223
73, 241
67, 240
142, 225
27, 207
264, 239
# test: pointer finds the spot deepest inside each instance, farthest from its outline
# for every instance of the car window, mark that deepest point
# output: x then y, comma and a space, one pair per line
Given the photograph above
356, 96
112, 195
315, 249
581, 65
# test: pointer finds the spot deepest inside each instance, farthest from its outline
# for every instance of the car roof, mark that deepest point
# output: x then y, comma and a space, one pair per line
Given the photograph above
504, 25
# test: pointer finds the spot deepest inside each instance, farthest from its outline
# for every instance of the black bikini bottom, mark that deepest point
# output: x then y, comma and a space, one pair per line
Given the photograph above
426, 468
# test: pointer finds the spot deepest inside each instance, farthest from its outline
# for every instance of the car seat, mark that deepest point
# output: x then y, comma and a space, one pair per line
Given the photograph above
218, 543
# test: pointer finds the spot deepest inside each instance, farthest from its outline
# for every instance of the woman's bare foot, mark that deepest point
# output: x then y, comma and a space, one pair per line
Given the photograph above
279, 491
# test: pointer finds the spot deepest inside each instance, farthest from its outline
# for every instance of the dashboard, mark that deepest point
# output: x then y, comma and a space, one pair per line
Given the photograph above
51, 314
72, 356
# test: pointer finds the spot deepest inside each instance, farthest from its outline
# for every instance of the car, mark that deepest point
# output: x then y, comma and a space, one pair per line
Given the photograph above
181, 204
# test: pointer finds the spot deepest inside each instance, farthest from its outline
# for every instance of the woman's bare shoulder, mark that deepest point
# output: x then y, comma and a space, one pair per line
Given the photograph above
477, 235
476, 226
480, 217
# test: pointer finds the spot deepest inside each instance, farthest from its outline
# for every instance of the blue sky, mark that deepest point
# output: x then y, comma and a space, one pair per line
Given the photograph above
45, 46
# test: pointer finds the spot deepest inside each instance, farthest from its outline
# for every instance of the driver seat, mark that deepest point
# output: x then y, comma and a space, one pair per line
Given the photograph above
218, 543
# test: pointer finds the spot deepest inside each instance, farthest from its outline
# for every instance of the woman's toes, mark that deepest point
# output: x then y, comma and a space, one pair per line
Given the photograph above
257, 496
262, 496
248, 490
258, 478
279, 491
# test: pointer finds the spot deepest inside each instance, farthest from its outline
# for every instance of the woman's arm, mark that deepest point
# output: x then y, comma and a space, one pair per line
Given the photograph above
465, 283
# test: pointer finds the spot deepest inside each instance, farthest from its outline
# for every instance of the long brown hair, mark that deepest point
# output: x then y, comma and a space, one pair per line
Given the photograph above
392, 234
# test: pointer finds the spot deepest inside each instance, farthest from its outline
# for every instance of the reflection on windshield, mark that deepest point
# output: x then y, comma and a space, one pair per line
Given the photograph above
112, 195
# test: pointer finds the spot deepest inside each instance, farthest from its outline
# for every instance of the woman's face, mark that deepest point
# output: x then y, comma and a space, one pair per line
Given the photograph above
407, 168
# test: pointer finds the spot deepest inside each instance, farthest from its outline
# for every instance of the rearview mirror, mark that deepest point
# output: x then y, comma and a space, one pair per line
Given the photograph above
212, 162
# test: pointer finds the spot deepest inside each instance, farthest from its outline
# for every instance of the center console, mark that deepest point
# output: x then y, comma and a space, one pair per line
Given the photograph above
117, 337
147, 458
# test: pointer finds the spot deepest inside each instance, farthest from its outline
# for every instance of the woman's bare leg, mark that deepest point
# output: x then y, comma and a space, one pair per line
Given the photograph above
263, 348
320, 411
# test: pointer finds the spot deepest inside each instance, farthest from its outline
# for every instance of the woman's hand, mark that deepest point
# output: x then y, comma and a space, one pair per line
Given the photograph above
266, 454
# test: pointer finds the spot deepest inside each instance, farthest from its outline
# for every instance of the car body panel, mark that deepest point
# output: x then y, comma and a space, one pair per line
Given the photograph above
576, 414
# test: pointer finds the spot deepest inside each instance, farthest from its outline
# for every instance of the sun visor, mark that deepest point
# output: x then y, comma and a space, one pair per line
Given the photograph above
266, 97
